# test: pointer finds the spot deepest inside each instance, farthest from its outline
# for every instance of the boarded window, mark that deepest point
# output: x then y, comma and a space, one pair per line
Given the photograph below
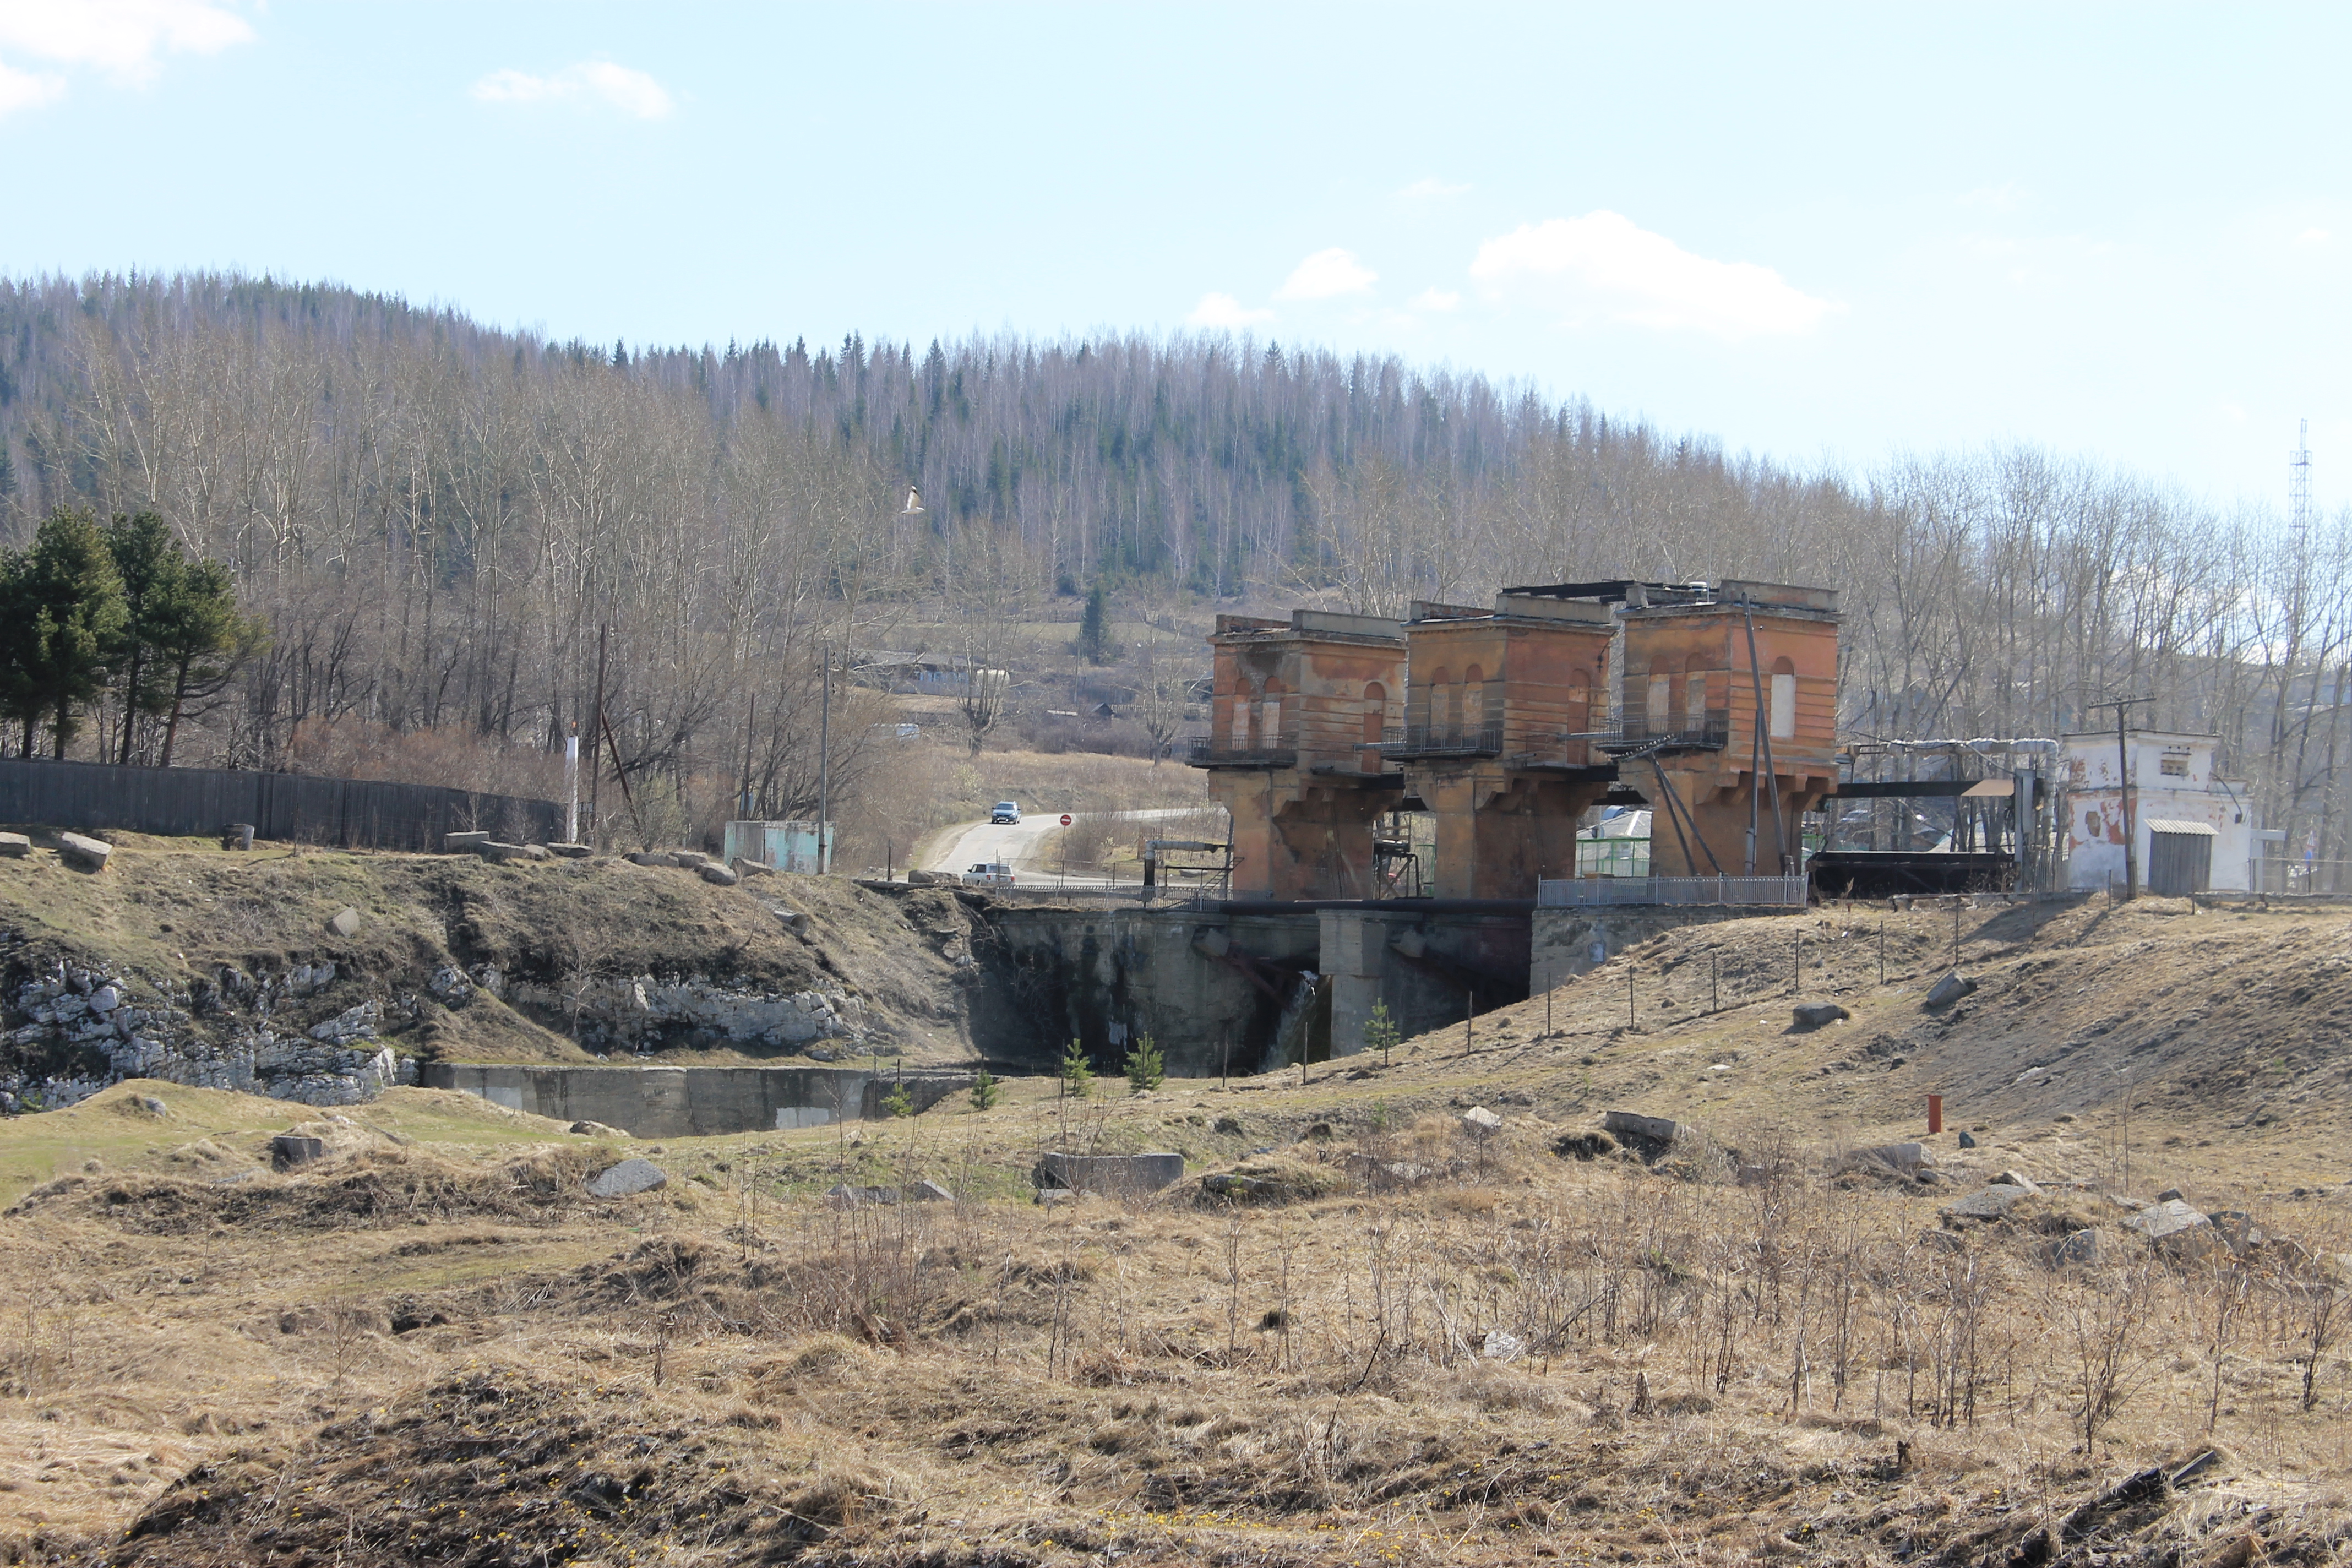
1784, 704
1660, 711
2173, 767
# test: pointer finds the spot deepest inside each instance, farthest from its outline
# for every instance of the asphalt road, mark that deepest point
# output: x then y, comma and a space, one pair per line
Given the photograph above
1027, 845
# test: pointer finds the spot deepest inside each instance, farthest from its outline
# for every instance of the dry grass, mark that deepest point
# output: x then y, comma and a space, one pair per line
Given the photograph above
1499, 1354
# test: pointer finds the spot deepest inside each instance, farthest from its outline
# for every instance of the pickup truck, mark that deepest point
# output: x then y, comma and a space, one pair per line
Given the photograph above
988, 875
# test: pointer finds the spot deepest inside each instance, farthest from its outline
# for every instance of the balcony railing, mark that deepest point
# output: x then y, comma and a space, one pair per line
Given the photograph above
1483, 739
1710, 731
1218, 751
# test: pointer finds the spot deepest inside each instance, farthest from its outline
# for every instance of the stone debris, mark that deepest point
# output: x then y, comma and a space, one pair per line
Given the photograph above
1813, 1015
499, 854
627, 1179
1047, 1197
464, 843
288, 1150
2170, 1195
537, 852
845, 1196
2177, 1230
692, 859
1240, 1189
346, 924
449, 986
2238, 1228
82, 851
2011, 1178
1950, 989
1501, 1346
2076, 1249
651, 857
791, 919
714, 874
15, 845
1909, 1159
1990, 1204
1109, 1173
1480, 1121
569, 851
1968, 1141
595, 1130
929, 1193
153, 1106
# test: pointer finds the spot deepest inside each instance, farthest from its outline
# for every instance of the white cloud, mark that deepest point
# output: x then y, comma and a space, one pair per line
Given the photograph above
2313, 237
1224, 311
1436, 300
1646, 278
1326, 274
632, 92
1427, 189
122, 38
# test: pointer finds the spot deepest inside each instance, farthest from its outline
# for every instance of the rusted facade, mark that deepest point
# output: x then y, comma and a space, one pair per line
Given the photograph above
1502, 713
1299, 711
1701, 664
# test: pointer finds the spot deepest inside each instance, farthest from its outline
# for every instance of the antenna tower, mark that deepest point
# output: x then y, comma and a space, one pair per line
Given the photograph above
2298, 484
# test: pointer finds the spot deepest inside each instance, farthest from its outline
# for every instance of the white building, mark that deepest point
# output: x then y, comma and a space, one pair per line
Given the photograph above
2184, 815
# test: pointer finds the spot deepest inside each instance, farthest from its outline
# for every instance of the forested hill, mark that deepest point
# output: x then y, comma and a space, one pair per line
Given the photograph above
437, 518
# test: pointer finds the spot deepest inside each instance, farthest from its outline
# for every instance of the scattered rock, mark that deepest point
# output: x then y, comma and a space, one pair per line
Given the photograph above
288, 1150
449, 986
626, 1179
2239, 1229
1990, 1204
1585, 1146
748, 869
1501, 1346
1968, 1141
105, 1000
2076, 1249
2170, 1195
497, 853
569, 851
1813, 1015
714, 874
1950, 989
352, 1024
15, 845
651, 857
692, 859
1480, 1121
1633, 1124
1943, 1241
84, 851
346, 924
537, 852
153, 1106
1909, 1159
929, 1193
595, 1130
1049, 1196
2170, 1222
464, 843
2011, 1178
1109, 1173
791, 919
844, 1196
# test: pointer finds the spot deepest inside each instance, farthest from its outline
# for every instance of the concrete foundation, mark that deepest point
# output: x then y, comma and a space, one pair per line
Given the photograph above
1565, 943
689, 1102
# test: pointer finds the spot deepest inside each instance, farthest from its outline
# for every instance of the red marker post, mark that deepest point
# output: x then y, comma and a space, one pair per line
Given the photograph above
1935, 1114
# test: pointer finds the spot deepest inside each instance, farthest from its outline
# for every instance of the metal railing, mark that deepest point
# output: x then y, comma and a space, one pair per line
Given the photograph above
1711, 732
1215, 752
1483, 739
1590, 893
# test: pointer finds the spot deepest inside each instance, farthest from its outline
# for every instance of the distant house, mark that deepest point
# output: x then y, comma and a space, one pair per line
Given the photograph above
2191, 828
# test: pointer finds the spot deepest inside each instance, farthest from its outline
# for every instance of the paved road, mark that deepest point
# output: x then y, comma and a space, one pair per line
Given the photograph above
1027, 845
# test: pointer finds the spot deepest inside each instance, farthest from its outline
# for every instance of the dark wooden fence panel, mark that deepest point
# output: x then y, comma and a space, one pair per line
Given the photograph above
352, 814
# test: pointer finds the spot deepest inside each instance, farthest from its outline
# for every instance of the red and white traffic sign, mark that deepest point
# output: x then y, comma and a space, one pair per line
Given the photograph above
1065, 819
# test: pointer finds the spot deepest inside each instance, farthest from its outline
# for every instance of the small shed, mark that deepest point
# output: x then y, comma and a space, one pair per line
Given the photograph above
2180, 856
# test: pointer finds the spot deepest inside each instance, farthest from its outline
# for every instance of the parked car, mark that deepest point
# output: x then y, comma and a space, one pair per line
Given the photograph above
1004, 814
988, 875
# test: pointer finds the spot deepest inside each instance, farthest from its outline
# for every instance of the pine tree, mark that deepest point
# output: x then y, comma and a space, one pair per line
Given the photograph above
1093, 631
1145, 1067
986, 1091
154, 571
1077, 1072
70, 597
201, 639
1381, 1032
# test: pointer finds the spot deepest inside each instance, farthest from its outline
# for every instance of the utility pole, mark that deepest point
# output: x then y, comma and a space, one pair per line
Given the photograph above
2123, 706
595, 738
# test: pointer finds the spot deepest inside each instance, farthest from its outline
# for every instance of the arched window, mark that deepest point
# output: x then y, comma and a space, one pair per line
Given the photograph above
1440, 700
1784, 699
1240, 723
1658, 711
1473, 700
1695, 697
1376, 711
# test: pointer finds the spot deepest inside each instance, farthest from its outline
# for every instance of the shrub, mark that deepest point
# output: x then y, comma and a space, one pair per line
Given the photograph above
1381, 1032
898, 1102
985, 1092
1078, 1073
1145, 1068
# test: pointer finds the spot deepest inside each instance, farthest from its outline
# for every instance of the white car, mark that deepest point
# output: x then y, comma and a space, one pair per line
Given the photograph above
1004, 814
988, 875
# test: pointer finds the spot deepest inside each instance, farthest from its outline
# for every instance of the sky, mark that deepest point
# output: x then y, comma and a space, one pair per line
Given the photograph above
1837, 236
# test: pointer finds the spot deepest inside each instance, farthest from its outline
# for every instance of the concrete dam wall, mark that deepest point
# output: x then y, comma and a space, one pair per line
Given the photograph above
690, 1102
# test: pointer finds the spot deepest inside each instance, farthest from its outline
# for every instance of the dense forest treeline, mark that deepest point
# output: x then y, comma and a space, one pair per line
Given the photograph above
438, 522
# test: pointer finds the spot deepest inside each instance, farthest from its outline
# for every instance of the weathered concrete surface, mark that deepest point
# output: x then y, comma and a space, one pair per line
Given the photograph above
1566, 943
1113, 1173
687, 1102
627, 1179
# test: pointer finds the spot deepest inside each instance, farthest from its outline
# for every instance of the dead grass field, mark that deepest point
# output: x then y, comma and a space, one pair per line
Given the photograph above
1448, 1348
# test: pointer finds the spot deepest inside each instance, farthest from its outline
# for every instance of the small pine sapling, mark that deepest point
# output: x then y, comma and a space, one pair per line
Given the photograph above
1145, 1067
986, 1091
1380, 1031
1078, 1073
898, 1102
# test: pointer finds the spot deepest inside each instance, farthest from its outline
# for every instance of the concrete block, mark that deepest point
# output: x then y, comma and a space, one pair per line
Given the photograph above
346, 924
690, 859
569, 851
714, 874
1990, 1204
595, 1130
16, 844
464, 843
2169, 1217
1480, 1122
792, 920
842, 1195
1949, 989
537, 852
288, 1150
651, 857
1110, 1173
1908, 1158
499, 854
1813, 1015
2011, 1178
238, 836
747, 868
628, 1177
88, 852
1633, 1124
929, 1193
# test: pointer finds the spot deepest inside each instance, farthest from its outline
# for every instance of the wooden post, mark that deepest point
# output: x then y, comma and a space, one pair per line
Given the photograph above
1629, 995
1935, 1114
1882, 950
1469, 1026
1714, 983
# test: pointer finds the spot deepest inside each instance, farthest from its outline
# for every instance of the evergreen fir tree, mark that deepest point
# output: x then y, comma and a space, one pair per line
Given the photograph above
1093, 631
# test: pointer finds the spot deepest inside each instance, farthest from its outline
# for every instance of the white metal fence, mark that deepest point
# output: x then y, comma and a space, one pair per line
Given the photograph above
1589, 892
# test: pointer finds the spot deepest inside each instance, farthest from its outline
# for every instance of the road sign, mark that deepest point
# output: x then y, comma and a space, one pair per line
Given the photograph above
1065, 819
